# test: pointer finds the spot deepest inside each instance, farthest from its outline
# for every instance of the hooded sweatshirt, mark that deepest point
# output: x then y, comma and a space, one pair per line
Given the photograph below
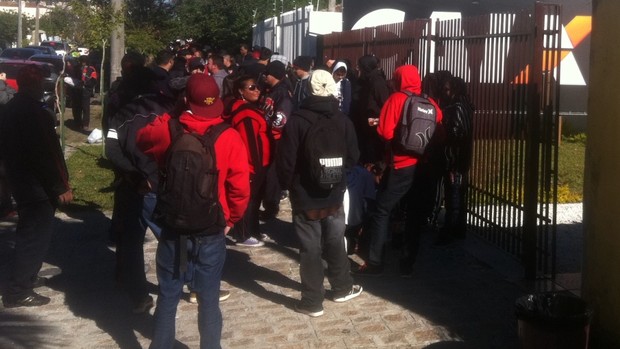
231, 158
406, 78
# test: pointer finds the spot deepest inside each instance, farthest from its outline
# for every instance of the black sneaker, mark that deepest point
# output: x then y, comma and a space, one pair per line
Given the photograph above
143, 306
356, 290
31, 300
367, 269
307, 310
39, 282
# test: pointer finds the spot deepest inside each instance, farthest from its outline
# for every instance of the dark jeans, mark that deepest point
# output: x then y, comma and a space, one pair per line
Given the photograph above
130, 246
208, 254
81, 106
6, 204
455, 187
322, 239
32, 240
271, 191
394, 186
249, 225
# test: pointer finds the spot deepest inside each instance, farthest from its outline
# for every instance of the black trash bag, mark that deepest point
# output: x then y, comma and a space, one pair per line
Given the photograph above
555, 311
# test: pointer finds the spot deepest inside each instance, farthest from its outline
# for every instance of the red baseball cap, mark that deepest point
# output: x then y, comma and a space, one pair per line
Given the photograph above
203, 96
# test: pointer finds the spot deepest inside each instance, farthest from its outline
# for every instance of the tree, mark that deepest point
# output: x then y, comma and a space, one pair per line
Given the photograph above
8, 27
99, 20
63, 22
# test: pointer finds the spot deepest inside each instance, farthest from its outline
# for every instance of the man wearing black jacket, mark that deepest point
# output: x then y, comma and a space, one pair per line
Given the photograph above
136, 191
39, 181
318, 215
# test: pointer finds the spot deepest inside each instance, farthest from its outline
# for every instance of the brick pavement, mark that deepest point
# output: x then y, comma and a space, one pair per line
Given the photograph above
454, 300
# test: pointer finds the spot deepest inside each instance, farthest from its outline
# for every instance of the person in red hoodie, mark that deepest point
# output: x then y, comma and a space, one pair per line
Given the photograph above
208, 249
399, 175
250, 121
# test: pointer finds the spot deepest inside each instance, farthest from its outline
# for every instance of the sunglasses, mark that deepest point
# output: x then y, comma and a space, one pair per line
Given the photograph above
251, 87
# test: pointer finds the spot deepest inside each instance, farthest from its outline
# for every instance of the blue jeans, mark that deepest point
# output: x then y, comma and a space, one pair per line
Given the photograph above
322, 239
394, 186
207, 254
148, 206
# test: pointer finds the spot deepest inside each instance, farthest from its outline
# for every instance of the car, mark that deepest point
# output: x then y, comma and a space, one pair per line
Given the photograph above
12, 67
44, 49
60, 47
18, 53
57, 61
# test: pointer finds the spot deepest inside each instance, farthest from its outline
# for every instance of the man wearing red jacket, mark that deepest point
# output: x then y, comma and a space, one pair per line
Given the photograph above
208, 250
399, 175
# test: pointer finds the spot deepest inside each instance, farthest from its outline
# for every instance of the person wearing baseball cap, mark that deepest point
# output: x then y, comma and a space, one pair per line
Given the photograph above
204, 110
278, 106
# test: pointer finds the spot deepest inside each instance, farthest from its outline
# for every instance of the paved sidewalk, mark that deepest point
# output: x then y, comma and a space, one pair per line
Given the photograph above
454, 300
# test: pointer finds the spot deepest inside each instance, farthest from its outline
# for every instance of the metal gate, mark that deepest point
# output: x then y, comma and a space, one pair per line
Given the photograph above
511, 65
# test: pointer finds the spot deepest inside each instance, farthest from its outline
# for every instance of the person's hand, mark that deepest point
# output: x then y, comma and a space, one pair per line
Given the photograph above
226, 230
65, 197
373, 121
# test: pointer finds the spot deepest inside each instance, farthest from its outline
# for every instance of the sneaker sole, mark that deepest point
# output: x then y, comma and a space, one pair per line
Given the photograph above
308, 312
252, 245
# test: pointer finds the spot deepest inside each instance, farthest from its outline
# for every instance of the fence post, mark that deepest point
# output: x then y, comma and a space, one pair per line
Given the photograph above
532, 152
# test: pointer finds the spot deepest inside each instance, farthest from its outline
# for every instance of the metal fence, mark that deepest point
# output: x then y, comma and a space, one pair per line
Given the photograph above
511, 65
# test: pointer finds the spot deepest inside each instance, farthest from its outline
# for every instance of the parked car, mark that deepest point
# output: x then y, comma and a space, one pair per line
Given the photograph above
12, 67
70, 65
61, 48
18, 53
44, 49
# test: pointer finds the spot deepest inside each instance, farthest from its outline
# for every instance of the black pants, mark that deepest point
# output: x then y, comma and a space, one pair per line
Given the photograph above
81, 107
6, 204
32, 240
249, 225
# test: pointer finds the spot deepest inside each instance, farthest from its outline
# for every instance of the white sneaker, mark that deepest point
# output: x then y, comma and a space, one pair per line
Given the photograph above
224, 295
250, 242
356, 290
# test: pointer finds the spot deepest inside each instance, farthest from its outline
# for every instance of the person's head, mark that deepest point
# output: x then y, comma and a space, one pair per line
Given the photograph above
195, 66
302, 66
244, 49
454, 88
246, 88
203, 96
367, 64
215, 63
2, 75
274, 73
30, 81
339, 71
84, 60
187, 54
165, 59
140, 80
131, 61
265, 54
322, 84
228, 60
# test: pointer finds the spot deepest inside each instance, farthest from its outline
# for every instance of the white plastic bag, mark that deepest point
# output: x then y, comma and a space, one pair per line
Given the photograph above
96, 136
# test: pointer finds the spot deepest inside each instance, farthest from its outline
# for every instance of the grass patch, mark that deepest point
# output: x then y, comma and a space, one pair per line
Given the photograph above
91, 177
571, 159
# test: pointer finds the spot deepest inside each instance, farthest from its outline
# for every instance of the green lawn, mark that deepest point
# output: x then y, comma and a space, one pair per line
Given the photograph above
91, 178
571, 157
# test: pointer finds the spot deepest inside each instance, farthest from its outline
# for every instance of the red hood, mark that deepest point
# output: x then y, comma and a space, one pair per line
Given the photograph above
199, 124
407, 78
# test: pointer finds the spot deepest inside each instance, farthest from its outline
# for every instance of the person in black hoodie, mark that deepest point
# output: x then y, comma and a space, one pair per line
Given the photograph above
39, 181
365, 109
318, 215
137, 187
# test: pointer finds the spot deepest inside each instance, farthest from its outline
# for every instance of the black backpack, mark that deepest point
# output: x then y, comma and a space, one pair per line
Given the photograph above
325, 150
417, 124
187, 200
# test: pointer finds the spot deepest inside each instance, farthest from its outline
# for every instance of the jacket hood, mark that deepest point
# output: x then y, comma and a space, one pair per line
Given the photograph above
407, 78
320, 104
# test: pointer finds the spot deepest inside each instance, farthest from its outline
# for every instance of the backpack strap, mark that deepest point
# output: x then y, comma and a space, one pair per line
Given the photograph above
175, 128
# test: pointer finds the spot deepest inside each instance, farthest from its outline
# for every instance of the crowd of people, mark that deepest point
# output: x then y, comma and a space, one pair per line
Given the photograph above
322, 133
